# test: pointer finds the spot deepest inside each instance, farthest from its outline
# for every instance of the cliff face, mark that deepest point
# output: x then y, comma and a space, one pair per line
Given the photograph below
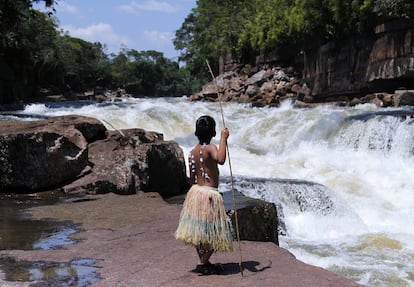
381, 62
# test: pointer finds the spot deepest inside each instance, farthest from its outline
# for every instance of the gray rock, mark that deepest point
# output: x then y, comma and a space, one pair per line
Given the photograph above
43, 154
134, 161
257, 222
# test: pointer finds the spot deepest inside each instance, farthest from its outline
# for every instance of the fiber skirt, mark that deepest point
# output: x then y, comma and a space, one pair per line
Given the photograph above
203, 220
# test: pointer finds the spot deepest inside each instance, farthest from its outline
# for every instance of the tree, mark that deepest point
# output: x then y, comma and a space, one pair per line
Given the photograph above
211, 30
148, 74
26, 48
85, 64
246, 29
391, 9
34, 55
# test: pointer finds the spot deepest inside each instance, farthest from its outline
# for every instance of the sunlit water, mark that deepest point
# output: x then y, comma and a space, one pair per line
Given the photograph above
342, 178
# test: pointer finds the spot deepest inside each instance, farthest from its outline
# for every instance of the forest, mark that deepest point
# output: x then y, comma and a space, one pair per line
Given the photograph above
248, 28
36, 59
35, 56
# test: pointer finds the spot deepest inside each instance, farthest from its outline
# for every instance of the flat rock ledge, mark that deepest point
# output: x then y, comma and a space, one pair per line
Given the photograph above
135, 245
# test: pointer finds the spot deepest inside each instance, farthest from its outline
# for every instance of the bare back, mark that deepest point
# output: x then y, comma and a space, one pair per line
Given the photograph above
203, 165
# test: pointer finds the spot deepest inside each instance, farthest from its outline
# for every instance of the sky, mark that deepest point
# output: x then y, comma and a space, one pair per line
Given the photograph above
135, 24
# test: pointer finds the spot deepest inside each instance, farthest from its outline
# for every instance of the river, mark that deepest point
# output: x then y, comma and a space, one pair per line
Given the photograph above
341, 177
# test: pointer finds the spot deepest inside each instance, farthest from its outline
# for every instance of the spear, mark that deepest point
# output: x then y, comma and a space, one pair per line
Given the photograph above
231, 175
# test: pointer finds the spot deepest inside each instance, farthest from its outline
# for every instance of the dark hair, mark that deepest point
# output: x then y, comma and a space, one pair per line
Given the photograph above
205, 129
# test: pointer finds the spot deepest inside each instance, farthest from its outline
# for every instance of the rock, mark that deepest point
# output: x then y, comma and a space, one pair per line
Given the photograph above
296, 88
308, 99
268, 87
252, 91
355, 101
133, 161
257, 222
263, 88
406, 99
42, 155
300, 104
257, 79
257, 219
388, 100
244, 98
38, 155
378, 102
362, 64
280, 75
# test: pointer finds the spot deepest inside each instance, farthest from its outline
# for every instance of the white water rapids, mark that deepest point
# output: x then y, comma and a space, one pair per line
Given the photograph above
342, 178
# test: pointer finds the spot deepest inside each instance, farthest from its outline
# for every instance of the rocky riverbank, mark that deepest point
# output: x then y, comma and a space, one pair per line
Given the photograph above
132, 240
374, 68
269, 86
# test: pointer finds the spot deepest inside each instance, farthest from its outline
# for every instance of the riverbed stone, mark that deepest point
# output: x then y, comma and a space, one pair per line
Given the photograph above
78, 155
257, 222
37, 155
130, 161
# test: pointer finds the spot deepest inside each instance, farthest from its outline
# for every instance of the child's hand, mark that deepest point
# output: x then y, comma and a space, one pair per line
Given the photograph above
225, 133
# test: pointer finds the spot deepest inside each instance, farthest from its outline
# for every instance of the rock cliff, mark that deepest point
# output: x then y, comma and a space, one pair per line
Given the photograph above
376, 68
380, 62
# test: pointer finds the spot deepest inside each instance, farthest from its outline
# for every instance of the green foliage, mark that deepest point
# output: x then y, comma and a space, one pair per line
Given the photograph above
149, 74
395, 8
34, 55
211, 29
26, 49
84, 64
249, 28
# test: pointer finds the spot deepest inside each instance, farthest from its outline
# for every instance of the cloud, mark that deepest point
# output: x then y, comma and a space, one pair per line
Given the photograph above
66, 8
158, 38
100, 32
150, 5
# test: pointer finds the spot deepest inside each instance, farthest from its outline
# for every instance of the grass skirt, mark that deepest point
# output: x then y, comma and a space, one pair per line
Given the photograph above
203, 220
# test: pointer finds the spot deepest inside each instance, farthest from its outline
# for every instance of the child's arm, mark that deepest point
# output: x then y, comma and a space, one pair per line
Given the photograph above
220, 154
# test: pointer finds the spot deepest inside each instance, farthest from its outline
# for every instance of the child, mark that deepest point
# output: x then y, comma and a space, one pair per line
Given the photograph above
203, 222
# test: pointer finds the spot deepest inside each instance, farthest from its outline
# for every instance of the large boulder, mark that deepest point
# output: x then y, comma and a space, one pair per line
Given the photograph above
133, 160
257, 219
39, 155
257, 222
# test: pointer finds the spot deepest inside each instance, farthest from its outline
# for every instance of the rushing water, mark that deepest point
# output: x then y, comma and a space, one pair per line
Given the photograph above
341, 177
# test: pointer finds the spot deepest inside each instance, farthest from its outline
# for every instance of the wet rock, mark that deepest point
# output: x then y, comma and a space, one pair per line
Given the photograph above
42, 154
258, 222
407, 99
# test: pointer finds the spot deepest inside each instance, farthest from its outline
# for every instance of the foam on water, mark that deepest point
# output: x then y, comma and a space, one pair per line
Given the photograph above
342, 177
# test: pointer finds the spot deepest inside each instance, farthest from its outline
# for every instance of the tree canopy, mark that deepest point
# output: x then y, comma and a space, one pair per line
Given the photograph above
250, 28
34, 55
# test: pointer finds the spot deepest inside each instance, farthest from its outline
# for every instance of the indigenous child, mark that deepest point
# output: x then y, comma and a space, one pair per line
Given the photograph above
203, 222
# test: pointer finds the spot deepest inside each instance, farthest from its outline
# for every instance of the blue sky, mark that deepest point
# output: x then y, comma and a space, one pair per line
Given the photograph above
135, 24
